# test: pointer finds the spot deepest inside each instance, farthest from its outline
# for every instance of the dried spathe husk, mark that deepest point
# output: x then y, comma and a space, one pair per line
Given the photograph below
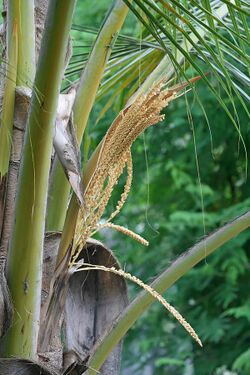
14, 366
87, 302
6, 308
94, 301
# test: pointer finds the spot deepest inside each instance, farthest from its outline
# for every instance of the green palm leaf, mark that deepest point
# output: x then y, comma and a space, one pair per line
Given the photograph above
207, 36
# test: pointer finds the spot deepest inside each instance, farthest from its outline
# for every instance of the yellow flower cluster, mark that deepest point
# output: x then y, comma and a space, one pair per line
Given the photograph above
114, 156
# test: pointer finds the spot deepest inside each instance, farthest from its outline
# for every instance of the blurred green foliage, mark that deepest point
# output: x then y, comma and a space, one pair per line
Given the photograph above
170, 208
173, 210
88, 15
189, 178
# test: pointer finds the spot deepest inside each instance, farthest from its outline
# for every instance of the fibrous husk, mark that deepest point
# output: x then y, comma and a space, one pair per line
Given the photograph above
14, 366
86, 302
53, 352
20, 116
41, 7
51, 243
94, 301
2, 193
6, 308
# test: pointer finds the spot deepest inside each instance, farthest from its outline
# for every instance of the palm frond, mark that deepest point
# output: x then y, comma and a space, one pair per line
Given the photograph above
206, 36
203, 30
206, 29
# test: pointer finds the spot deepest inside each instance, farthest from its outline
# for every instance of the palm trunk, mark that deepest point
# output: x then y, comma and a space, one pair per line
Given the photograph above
27, 238
23, 16
8, 100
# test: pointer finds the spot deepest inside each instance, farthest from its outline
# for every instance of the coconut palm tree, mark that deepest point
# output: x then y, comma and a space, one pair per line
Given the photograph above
64, 306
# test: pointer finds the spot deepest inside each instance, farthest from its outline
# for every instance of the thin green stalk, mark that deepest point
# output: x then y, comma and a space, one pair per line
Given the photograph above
85, 97
24, 269
164, 281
